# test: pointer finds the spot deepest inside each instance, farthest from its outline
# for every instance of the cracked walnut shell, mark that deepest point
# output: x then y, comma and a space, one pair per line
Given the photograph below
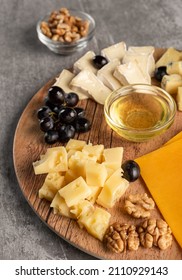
120, 237
155, 232
139, 205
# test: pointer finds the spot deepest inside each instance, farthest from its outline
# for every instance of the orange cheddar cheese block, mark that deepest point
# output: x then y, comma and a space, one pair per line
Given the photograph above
162, 173
175, 138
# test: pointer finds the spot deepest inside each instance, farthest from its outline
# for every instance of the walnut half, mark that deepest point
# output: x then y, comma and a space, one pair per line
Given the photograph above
120, 237
139, 205
155, 232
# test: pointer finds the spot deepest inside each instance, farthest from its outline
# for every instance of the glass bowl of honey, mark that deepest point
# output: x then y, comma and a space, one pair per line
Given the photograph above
139, 112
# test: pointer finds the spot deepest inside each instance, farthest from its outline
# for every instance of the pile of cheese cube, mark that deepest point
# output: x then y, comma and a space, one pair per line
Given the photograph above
82, 182
125, 66
172, 81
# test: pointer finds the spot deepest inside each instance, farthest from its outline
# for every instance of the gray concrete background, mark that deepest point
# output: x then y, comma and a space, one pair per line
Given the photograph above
26, 65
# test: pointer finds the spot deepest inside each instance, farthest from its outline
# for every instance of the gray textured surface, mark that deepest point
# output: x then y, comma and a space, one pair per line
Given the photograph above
26, 65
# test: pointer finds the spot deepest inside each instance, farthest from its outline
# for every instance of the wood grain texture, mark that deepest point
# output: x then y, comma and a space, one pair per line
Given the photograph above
29, 144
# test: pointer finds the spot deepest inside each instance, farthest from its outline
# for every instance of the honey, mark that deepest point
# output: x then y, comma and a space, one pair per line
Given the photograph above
138, 111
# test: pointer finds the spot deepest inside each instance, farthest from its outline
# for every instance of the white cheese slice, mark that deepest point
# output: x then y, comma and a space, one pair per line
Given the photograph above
85, 63
116, 51
105, 74
64, 80
142, 60
88, 83
147, 50
129, 73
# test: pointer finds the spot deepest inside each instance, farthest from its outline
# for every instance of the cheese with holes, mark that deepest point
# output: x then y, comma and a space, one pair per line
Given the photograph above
95, 191
160, 170
77, 163
115, 51
171, 83
60, 207
94, 151
113, 189
45, 192
96, 174
174, 68
105, 74
75, 191
130, 73
74, 144
83, 207
54, 160
169, 56
53, 182
95, 222
88, 83
64, 80
85, 63
112, 157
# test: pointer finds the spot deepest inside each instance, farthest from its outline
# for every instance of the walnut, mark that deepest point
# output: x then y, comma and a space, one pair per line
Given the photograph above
139, 205
155, 232
120, 237
133, 241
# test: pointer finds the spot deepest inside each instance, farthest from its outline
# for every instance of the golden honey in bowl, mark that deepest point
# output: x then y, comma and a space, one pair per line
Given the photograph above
139, 112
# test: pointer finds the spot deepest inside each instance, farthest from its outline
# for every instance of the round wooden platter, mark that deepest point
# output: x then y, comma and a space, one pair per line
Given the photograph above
29, 145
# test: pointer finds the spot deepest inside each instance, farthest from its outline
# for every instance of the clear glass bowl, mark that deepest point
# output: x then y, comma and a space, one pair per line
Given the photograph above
67, 48
139, 112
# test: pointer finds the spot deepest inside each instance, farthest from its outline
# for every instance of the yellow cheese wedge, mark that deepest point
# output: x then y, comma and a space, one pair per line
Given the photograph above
161, 171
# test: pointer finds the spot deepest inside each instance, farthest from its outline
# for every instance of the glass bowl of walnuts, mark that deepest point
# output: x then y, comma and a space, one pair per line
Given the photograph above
65, 31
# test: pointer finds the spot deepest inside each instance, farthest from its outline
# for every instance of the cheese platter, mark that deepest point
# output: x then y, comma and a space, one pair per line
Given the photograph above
29, 144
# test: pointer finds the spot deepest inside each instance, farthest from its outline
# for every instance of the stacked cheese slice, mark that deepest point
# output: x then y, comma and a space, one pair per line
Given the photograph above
161, 171
135, 65
80, 178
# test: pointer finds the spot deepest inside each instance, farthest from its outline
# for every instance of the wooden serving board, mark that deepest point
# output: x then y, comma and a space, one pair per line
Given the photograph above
29, 144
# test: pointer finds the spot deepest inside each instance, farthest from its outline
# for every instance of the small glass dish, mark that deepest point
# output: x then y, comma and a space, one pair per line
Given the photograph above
139, 112
66, 48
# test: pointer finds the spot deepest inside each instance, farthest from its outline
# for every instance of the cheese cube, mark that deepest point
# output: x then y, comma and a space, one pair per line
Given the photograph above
171, 83
112, 157
60, 207
174, 68
74, 144
130, 73
113, 189
46, 192
96, 174
83, 207
54, 160
149, 51
96, 222
142, 60
69, 176
115, 51
85, 63
95, 191
94, 151
77, 163
105, 74
64, 80
169, 56
75, 191
54, 181
71, 153
179, 98
88, 83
